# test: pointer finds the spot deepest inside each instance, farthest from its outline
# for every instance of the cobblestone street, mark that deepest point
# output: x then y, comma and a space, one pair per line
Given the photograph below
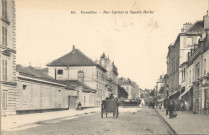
131, 121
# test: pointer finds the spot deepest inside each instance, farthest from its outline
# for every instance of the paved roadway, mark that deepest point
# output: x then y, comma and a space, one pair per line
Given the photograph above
131, 121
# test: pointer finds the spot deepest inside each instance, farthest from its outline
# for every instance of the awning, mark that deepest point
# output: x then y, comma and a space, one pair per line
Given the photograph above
175, 95
186, 91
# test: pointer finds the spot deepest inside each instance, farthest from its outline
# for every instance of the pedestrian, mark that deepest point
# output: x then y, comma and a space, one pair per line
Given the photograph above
171, 109
79, 106
111, 97
162, 106
182, 106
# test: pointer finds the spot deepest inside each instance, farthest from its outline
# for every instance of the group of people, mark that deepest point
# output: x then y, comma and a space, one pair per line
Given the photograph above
170, 108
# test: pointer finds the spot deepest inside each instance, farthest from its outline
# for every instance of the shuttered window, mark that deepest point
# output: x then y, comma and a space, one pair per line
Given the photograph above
4, 70
4, 8
5, 62
4, 100
204, 67
4, 35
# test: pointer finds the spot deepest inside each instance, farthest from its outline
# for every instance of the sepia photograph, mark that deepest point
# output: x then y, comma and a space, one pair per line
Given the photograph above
104, 67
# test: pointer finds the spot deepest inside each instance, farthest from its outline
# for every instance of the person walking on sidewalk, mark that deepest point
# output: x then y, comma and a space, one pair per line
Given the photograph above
171, 109
166, 105
182, 106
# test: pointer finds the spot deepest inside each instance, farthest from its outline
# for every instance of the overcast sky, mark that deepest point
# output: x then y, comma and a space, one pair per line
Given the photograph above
138, 44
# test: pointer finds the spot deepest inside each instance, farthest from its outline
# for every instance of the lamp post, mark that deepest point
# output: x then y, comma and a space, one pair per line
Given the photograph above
167, 97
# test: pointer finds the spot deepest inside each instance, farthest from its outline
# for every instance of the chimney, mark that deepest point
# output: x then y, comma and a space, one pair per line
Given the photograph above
206, 21
186, 26
207, 35
81, 76
73, 48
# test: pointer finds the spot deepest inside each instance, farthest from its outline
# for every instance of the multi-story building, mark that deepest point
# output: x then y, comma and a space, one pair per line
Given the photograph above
8, 57
77, 66
112, 73
177, 54
197, 73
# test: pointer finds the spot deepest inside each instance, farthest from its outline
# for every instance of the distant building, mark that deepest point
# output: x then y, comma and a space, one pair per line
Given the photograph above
8, 57
77, 66
160, 86
85, 95
131, 87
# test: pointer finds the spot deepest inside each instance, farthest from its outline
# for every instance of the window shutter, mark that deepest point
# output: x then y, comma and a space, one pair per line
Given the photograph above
5, 7
3, 69
5, 36
2, 35
6, 70
4, 100
2, 7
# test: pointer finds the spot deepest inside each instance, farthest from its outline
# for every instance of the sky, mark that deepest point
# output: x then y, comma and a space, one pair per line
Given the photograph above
137, 43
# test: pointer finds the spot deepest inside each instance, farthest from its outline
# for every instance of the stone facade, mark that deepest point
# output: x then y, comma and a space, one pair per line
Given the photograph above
198, 72
111, 75
8, 57
177, 53
69, 66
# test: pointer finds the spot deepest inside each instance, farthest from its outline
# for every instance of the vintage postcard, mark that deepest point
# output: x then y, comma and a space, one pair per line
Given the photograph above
104, 67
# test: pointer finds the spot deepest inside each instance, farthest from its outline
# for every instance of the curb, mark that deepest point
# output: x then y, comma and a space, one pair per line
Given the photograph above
36, 122
167, 124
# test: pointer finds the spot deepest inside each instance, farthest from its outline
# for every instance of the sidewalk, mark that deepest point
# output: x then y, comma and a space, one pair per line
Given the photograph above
17, 121
187, 122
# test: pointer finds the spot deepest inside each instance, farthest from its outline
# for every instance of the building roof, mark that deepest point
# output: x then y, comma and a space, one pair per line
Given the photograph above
75, 58
35, 73
197, 27
73, 84
44, 70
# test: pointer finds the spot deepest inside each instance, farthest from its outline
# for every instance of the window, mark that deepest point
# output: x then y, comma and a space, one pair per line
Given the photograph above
204, 68
97, 75
24, 87
4, 101
60, 72
189, 41
84, 100
190, 74
4, 8
182, 76
197, 72
91, 98
4, 35
4, 70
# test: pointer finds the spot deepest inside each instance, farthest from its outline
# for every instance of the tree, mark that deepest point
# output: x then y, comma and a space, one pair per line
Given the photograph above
152, 93
162, 90
122, 93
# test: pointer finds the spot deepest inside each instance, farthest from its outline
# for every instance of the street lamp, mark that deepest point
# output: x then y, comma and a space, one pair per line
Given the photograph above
167, 101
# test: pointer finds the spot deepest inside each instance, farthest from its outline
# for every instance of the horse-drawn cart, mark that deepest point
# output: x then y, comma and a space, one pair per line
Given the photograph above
109, 106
